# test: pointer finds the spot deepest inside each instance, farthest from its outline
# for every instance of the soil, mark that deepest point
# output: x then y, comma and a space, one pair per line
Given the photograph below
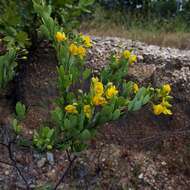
140, 151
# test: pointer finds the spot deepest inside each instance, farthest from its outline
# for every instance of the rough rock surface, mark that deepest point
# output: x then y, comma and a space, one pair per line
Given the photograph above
155, 64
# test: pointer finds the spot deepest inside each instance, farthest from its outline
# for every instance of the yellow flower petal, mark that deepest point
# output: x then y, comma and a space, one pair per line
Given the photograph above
98, 88
135, 88
132, 59
167, 111
127, 54
166, 88
88, 111
87, 41
99, 100
81, 52
71, 109
60, 36
73, 49
158, 109
111, 91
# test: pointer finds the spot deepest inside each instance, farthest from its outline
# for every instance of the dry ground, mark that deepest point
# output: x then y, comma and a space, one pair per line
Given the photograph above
140, 151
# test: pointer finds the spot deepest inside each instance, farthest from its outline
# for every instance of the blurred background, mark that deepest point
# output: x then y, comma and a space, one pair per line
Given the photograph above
160, 22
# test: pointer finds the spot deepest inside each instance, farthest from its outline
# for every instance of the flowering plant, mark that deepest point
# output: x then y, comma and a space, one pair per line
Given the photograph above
86, 100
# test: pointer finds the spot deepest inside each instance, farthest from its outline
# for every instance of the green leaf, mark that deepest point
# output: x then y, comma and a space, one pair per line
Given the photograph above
140, 93
146, 99
116, 114
107, 109
67, 124
86, 74
85, 135
7, 66
78, 147
137, 105
81, 121
44, 139
50, 133
22, 39
130, 105
44, 31
20, 110
84, 3
73, 120
127, 88
16, 127
57, 115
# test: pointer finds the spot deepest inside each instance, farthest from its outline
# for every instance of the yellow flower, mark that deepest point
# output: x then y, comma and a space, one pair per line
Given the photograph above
132, 59
73, 49
158, 109
111, 91
71, 109
87, 111
60, 36
99, 100
166, 88
162, 108
135, 88
98, 88
81, 52
87, 41
127, 54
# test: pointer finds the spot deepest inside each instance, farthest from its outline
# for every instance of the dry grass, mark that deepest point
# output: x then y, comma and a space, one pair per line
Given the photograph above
179, 40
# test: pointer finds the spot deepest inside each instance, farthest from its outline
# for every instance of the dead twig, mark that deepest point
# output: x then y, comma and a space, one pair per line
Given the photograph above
14, 162
65, 173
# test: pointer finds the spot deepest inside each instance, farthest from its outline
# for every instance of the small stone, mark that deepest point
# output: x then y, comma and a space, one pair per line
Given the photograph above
103, 159
7, 172
50, 158
141, 176
41, 162
32, 186
163, 163
52, 174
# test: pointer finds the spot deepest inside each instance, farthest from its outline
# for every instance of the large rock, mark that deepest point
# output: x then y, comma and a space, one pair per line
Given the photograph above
155, 64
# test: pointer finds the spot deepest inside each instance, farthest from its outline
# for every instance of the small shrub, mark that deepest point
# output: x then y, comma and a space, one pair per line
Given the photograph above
87, 101
44, 138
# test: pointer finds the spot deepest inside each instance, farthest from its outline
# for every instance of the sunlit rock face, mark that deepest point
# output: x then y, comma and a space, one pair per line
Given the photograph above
156, 65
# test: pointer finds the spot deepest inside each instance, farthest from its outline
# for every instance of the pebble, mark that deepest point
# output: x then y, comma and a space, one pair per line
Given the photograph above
163, 163
7, 172
103, 159
141, 176
41, 162
50, 158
